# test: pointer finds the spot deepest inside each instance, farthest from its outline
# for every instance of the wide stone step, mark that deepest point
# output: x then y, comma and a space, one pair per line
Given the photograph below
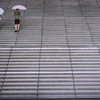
59, 72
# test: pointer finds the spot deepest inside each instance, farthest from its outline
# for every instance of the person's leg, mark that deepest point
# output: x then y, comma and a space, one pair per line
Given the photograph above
18, 24
15, 25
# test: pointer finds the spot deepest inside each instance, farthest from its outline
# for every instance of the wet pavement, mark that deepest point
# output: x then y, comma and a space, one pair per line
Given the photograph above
56, 53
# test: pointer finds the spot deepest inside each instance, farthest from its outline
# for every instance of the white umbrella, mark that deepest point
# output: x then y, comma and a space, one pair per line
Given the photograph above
20, 7
1, 11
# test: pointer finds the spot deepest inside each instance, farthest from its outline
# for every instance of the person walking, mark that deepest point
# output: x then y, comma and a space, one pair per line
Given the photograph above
17, 15
0, 19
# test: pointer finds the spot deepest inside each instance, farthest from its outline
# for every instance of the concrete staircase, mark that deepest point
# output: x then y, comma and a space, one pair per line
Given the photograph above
56, 53
50, 72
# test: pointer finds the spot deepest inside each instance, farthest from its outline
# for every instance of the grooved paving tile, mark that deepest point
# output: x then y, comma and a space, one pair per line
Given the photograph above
71, 11
88, 2
31, 21
86, 7
52, 10
94, 13
71, 2
58, 21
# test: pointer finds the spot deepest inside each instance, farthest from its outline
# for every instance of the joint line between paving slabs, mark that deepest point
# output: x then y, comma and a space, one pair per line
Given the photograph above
98, 49
16, 38
64, 23
40, 51
89, 30
97, 4
72, 73
40, 59
80, 7
38, 73
6, 69
7, 6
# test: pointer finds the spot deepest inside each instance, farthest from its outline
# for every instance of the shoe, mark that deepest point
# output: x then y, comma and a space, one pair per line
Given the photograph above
15, 31
18, 30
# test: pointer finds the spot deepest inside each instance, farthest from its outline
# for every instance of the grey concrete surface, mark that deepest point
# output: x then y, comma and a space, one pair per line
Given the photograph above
56, 53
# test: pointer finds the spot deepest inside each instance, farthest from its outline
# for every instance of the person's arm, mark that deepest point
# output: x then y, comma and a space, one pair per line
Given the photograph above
3, 16
13, 14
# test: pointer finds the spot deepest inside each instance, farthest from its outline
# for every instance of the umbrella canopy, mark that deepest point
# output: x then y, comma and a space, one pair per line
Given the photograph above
20, 7
1, 11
